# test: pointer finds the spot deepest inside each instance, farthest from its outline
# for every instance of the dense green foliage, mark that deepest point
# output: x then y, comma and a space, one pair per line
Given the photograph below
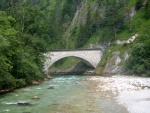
108, 17
20, 55
139, 61
29, 28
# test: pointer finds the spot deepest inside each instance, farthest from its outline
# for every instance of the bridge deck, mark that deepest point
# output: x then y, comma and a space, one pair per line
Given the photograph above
55, 50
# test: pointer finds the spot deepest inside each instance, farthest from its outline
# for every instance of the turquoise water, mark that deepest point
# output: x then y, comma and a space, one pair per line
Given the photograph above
71, 94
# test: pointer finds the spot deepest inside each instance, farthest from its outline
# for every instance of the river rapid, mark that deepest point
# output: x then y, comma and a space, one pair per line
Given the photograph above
81, 94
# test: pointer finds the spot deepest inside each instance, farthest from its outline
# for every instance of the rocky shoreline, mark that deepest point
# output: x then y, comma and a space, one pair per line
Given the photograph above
129, 91
4, 91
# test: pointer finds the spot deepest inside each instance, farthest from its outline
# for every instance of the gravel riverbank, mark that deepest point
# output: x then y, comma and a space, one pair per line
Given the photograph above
131, 92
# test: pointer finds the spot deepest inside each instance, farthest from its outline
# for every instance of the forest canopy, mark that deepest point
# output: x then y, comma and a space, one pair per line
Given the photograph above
29, 28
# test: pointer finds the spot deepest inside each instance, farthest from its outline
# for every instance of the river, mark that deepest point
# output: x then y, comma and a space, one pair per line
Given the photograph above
81, 94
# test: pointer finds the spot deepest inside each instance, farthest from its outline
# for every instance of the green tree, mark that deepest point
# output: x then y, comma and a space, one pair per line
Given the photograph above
147, 10
139, 61
113, 16
139, 4
7, 38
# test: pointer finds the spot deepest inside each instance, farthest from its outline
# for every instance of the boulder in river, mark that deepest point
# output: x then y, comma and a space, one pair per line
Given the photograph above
35, 82
35, 97
47, 78
23, 103
50, 87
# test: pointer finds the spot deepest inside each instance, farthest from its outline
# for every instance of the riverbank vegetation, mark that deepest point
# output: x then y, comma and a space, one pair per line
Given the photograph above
29, 28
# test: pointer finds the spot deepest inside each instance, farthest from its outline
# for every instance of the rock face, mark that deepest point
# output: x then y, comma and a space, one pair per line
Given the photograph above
130, 40
113, 65
126, 55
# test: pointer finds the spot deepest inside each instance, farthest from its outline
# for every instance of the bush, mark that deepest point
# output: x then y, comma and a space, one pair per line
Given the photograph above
20, 83
7, 82
139, 61
139, 4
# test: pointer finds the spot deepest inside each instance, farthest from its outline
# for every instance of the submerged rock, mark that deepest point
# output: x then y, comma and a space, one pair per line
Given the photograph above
50, 87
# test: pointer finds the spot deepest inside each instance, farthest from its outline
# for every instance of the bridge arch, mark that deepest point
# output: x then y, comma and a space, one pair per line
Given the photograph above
82, 59
89, 57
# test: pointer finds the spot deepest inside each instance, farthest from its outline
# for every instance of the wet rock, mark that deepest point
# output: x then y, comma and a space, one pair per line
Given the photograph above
35, 97
49, 77
35, 83
24, 103
45, 79
50, 87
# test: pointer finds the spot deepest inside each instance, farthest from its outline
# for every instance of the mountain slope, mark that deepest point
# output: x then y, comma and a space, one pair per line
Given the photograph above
109, 24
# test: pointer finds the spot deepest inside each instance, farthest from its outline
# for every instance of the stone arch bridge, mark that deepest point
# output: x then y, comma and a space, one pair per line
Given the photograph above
89, 56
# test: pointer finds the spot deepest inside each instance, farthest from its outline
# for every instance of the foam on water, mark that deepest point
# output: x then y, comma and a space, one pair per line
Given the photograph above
53, 85
63, 79
6, 110
10, 103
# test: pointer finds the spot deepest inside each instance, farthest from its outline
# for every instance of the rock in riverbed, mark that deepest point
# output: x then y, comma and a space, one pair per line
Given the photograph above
50, 87
23, 103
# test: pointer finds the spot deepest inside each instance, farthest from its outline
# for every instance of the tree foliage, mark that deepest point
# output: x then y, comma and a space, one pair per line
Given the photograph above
108, 15
25, 34
139, 61
29, 28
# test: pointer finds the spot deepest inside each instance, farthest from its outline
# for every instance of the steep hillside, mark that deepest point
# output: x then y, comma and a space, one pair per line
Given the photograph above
112, 25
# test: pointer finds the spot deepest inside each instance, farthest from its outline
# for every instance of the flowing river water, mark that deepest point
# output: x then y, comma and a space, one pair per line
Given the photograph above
81, 94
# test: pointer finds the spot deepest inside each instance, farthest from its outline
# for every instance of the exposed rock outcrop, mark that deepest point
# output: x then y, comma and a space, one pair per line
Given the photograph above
112, 65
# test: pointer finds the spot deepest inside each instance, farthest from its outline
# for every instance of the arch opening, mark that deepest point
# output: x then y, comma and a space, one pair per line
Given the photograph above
70, 65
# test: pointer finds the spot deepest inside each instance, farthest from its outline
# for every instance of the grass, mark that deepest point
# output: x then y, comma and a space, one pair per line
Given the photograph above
131, 3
